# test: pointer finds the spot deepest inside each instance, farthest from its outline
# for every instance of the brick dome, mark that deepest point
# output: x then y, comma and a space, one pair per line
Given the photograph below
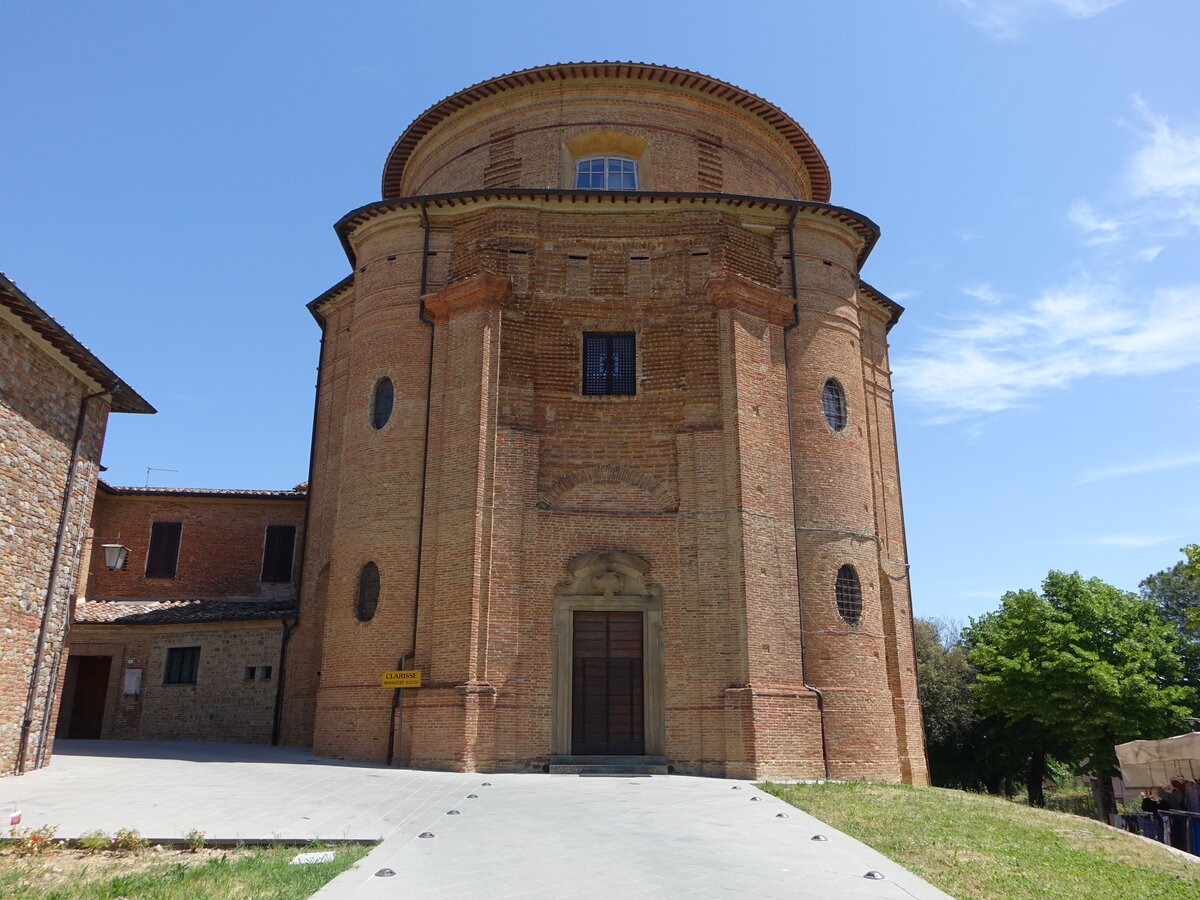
513, 131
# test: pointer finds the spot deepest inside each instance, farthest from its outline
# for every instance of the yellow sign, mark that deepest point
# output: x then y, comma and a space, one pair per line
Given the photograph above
403, 679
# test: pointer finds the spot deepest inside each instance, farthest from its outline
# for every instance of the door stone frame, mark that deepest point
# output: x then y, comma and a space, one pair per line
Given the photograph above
609, 581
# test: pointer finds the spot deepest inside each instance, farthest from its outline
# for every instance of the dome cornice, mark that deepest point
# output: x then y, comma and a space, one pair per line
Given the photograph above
866, 229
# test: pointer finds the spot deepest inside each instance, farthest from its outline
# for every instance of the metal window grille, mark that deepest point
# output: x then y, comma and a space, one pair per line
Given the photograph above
368, 593
163, 554
183, 664
849, 595
833, 400
609, 363
381, 402
279, 547
606, 173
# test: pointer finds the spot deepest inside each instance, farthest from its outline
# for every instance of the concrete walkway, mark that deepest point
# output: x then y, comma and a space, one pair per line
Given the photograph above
552, 836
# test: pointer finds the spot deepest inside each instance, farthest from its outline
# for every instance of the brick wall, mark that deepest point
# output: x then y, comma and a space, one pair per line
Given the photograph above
220, 548
39, 405
693, 142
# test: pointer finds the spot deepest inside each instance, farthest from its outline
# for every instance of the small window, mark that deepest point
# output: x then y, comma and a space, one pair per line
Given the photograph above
248, 675
849, 595
368, 592
264, 673
609, 364
163, 554
381, 402
833, 400
183, 664
278, 549
606, 173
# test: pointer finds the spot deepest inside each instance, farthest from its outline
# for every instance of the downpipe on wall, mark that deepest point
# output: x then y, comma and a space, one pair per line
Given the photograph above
52, 583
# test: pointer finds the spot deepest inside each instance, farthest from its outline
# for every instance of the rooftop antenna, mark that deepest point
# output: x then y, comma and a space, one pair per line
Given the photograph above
150, 469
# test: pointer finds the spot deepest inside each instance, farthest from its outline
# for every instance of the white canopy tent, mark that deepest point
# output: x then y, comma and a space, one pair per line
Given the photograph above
1152, 764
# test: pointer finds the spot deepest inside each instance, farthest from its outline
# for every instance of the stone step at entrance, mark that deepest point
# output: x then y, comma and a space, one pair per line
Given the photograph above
613, 766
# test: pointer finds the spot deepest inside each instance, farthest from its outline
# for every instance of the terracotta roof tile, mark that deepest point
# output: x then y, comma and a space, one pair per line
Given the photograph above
107, 488
124, 398
180, 612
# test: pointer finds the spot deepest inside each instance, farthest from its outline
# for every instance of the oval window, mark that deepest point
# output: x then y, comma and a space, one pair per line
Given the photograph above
368, 593
833, 400
381, 402
849, 595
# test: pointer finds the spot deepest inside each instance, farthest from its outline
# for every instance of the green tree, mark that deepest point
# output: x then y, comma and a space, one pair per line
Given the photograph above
1078, 668
966, 749
948, 705
1176, 594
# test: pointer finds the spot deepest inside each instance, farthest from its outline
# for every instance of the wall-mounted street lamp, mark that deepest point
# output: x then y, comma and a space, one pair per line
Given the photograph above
114, 555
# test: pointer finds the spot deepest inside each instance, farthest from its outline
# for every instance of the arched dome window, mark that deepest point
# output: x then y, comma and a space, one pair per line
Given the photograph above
833, 401
606, 173
381, 402
368, 593
849, 595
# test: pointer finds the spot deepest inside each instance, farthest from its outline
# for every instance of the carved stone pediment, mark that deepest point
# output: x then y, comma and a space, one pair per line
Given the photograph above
608, 573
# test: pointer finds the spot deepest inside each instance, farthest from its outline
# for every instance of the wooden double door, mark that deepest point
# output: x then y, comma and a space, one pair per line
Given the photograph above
607, 693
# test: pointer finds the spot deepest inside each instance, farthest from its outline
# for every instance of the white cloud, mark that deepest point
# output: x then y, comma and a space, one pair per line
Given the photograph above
1096, 229
984, 293
991, 360
1158, 463
1160, 187
1168, 163
1004, 18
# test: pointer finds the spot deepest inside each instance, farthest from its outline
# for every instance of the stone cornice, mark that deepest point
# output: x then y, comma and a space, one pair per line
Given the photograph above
484, 289
744, 295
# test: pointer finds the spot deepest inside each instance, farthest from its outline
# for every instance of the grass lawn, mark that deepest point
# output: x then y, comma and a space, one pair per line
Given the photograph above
976, 846
241, 874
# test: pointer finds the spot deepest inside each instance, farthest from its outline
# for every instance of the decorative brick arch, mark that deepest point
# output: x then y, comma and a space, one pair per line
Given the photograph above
554, 495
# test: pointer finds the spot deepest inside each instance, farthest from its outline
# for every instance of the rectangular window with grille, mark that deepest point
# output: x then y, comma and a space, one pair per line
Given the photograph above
278, 549
183, 664
609, 363
163, 554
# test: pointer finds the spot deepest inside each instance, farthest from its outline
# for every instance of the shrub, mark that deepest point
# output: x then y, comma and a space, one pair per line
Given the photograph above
29, 841
94, 841
195, 840
129, 839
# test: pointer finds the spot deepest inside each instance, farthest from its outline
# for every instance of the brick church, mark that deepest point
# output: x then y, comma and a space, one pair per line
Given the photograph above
603, 447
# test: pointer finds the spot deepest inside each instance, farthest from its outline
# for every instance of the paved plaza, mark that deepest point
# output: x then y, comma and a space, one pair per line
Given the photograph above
551, 836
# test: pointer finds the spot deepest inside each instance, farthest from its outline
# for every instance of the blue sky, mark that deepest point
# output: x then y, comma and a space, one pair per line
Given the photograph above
170, 174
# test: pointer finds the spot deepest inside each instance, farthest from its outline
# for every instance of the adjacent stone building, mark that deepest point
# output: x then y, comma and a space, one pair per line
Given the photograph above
604, 447
185, 641
55, 397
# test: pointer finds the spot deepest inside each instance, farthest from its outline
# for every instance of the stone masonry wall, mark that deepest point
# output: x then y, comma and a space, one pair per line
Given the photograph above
223, 705
39, 406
